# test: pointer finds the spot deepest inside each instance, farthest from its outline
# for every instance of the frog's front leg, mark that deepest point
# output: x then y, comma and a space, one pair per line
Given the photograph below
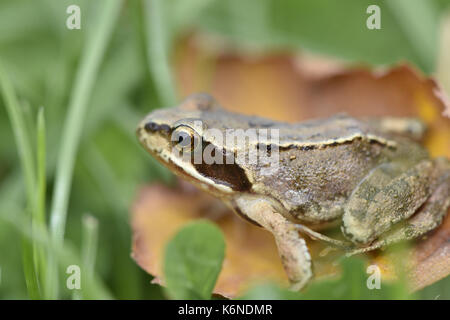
389, 194
429, 216
291, 247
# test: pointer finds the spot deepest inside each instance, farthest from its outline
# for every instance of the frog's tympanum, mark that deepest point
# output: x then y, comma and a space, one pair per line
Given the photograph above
370, 175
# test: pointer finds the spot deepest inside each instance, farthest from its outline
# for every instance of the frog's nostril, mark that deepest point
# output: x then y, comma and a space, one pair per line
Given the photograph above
151, 127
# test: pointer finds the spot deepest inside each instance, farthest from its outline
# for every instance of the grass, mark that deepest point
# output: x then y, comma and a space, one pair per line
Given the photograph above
158, 48
32, 224
84, 81
39, 215
41, 271
88, 248
73, 126
26, 157
92, 287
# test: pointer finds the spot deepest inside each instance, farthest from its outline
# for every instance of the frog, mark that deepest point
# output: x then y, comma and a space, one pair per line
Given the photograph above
370, 176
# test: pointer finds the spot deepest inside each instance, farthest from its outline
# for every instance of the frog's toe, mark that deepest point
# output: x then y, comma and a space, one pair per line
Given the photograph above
346, 245
299, 285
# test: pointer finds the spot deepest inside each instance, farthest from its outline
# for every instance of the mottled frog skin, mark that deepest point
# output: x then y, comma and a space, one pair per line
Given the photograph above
372, 175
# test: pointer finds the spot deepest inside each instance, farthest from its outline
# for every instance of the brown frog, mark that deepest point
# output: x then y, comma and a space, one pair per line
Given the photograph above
372, 175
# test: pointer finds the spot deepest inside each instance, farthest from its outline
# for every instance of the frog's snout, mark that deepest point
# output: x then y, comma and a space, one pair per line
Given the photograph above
139, 133
149, 127
152, 134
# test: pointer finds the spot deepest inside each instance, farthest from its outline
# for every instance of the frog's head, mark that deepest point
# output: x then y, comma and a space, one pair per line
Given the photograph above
177, 137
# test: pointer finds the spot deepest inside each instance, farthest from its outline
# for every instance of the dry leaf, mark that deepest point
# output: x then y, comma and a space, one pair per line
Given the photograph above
431, 257
281, 88
158, 214
251, 255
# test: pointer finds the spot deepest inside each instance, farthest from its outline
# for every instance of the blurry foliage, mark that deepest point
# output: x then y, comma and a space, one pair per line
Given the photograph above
194, 256
351, 284
41, 56
409, 28
193, 261
437, 291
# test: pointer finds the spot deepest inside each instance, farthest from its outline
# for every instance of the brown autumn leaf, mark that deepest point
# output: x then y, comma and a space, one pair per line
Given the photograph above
279, 87
431, 257
251, 255
160, 212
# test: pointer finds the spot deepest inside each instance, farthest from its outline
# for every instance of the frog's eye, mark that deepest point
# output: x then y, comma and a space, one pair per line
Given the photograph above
185, 138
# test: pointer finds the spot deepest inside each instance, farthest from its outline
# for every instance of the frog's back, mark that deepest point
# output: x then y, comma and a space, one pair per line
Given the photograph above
319, 178
322, 161
339, 128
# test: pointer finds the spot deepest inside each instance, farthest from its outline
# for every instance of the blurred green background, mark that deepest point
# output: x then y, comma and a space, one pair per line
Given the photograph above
94, 84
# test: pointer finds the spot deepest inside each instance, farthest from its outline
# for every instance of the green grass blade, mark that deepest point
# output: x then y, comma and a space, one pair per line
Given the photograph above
26, 156
158, 43
88, 250
67, 254
39, 217
18, 124
31, 276
89, 245
73, 126
41, 166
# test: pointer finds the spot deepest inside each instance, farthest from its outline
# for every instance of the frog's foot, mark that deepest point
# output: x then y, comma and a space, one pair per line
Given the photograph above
291, 247
341, 244
299, 285
429, 216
